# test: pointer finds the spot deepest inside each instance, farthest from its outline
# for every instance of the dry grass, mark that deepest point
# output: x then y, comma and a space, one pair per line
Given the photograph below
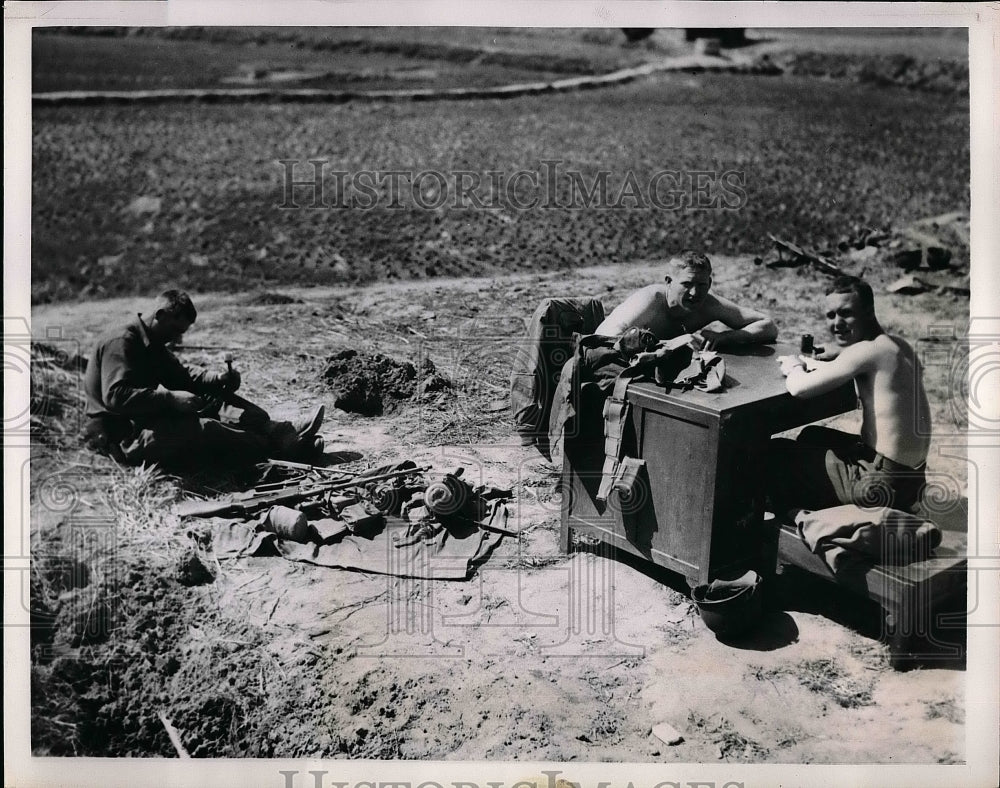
732, 745
56, 399
824, 677
140, 499
522, 561
946, 708
827, 678
52, 718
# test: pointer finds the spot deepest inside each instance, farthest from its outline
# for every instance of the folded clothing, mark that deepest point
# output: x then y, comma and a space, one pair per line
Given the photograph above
842, 534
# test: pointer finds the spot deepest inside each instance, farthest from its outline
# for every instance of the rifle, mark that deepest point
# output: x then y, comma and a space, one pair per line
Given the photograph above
245, 503
301, 466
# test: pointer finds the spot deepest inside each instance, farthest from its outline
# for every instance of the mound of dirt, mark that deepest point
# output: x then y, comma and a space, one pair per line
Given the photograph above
372, 384
191, 570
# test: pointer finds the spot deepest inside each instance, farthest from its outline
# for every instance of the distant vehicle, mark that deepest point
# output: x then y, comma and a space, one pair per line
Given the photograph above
728, 36
633, 34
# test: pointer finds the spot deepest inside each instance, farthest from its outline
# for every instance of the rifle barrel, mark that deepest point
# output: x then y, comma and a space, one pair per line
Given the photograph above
272, 498
301, 466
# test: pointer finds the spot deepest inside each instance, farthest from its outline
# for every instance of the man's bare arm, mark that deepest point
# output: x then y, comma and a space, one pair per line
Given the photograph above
826, 375
745, 326
633, 311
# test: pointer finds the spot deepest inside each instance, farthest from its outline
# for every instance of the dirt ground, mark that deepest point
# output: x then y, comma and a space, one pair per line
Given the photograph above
138, 632
538, 656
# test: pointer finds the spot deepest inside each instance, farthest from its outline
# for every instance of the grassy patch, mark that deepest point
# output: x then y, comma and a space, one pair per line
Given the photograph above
140, 498
732, 745
947, 708
56, 396
824, 677
524, 561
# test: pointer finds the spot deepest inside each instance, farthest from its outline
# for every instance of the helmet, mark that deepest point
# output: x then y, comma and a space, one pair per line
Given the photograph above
730, 607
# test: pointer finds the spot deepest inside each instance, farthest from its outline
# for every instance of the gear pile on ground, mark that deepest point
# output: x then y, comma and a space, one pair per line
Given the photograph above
426, 504
372, 384
353, 523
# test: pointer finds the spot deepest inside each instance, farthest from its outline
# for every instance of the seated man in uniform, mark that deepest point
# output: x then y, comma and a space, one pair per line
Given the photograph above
884, 465
683, 305
144, 405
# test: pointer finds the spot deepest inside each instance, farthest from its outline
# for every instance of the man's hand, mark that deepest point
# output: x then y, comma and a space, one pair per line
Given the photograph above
230, 380
227, 381
186, 402
789, 364
645, 357
809, 362
707, 339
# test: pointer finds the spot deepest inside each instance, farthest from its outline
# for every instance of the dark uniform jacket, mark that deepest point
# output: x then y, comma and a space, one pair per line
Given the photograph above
129, 373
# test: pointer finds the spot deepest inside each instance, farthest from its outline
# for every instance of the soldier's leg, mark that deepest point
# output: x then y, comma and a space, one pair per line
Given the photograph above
241, 413
827, 437
883, 482
812, 472
295, 441
183, 440
218, 438
105, 434
282, 439
164, 440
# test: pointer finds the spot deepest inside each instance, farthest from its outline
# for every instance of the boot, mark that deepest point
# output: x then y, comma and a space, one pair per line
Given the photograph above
307, 429
290, 441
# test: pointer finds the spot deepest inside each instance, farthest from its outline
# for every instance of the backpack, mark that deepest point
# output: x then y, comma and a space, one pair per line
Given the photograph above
540, 358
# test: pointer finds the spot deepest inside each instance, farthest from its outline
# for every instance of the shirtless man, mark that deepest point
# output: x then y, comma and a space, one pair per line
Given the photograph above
683, 305
884, 465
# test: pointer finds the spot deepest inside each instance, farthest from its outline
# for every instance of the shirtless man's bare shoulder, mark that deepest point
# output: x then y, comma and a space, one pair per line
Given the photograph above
886, 373
684, 305
645, 308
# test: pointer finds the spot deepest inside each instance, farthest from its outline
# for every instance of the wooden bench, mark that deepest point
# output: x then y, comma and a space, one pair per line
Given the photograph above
910, 596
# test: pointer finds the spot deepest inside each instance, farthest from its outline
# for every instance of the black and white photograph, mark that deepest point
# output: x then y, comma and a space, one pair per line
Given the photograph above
593, 398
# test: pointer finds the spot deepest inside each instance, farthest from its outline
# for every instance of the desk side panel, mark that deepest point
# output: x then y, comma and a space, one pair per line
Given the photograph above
681, 458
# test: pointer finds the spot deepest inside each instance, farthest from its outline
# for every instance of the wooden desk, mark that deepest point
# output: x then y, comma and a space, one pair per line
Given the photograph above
700, 508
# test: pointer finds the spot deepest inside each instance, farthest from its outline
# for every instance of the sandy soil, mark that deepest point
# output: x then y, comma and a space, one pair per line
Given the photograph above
538, 656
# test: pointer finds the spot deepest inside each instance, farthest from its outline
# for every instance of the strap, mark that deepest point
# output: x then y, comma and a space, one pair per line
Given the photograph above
616, 410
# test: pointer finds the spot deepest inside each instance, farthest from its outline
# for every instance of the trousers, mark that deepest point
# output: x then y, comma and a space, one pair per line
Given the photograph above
824, 467
239, 430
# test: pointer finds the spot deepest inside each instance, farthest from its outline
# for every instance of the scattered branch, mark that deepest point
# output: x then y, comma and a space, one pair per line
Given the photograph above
175, 737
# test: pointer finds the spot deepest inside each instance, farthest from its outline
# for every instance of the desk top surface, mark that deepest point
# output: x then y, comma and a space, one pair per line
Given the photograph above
752, 377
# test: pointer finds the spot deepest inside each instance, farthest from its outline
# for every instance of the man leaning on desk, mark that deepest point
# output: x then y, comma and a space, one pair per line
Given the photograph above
682, 306
885, 464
